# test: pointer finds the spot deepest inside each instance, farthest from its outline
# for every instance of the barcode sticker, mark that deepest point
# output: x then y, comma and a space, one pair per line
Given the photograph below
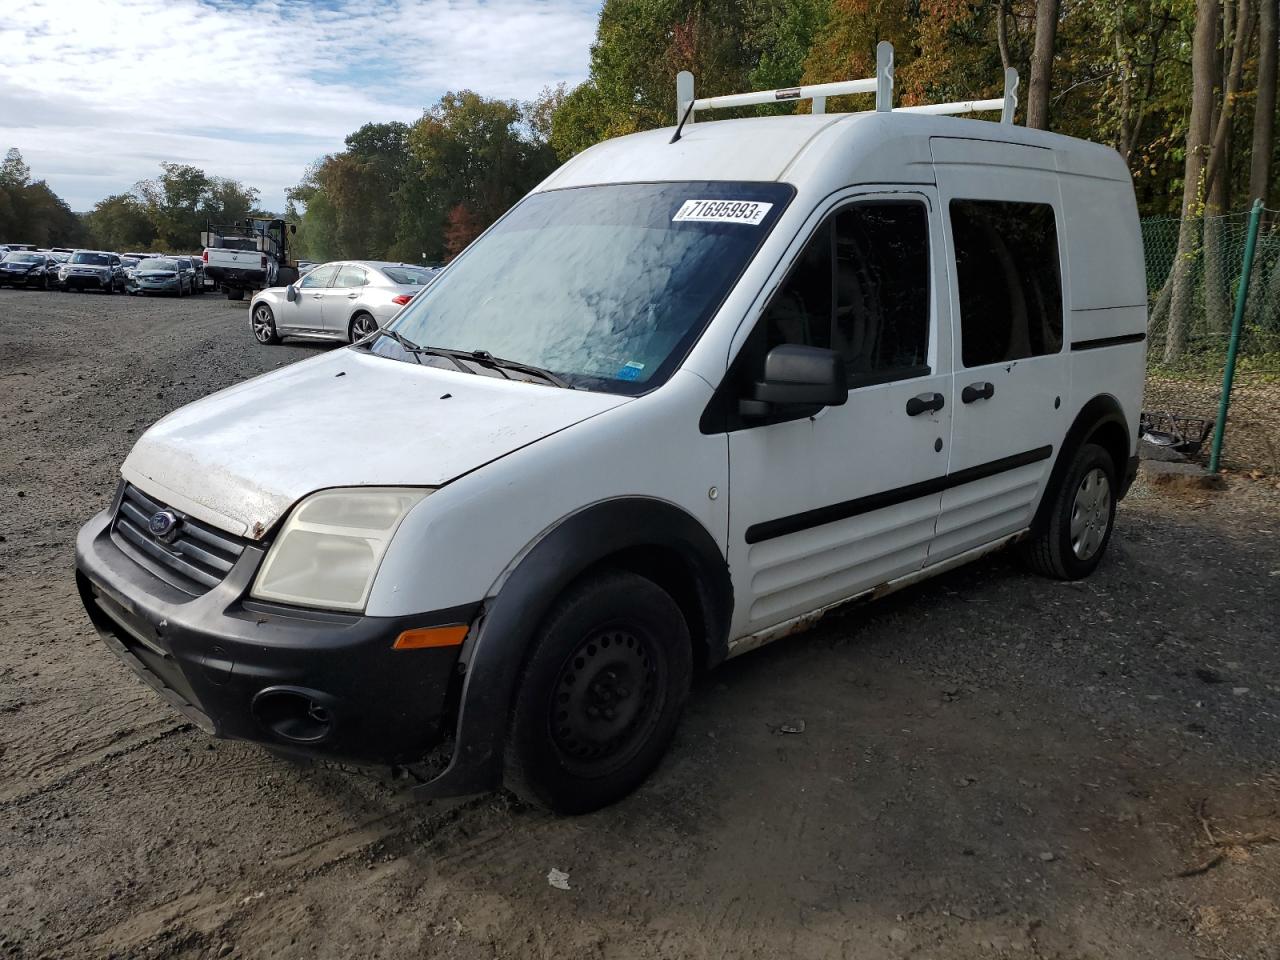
722, 211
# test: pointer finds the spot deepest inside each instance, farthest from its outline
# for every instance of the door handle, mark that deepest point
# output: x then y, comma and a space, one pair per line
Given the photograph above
926, 401
978, 391
317, 296
353, 296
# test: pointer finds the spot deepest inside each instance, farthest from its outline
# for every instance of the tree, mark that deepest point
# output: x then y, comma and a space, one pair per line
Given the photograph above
1199, 132
14, 172
470, 150
30, 212
120, 222
461, 227
1264, 110
1042, 64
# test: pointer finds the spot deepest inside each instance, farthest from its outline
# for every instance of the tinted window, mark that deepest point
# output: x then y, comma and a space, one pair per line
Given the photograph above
882, 288
1008, 277
320, 276
409, 276
861, 287
350, 276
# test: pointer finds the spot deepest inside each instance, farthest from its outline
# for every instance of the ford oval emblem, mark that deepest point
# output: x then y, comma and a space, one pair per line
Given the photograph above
163, 525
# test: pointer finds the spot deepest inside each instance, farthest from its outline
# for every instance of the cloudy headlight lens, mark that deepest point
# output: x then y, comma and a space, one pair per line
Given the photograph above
331, 546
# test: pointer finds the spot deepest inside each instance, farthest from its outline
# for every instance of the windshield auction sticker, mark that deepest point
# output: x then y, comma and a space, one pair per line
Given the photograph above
722, 211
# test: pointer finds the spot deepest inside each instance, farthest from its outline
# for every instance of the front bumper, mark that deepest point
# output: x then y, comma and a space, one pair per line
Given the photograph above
154, 286
84, 280
310, 682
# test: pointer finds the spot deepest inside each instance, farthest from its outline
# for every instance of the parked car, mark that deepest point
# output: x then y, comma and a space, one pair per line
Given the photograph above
194, 275
23, 268
758, 368
128, 265
162, 275
92, 270
342, 300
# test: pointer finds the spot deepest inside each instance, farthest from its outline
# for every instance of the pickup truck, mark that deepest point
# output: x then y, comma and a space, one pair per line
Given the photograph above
236, 266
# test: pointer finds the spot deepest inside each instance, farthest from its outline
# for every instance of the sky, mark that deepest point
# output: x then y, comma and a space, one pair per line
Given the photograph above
97, 93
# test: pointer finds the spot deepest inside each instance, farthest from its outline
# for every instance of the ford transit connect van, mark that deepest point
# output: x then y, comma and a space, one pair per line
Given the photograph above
692, 392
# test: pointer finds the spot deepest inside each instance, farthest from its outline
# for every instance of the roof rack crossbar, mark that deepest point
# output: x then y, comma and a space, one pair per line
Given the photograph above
881, 85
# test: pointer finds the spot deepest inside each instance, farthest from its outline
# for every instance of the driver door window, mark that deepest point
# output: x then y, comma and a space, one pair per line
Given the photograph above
857, 289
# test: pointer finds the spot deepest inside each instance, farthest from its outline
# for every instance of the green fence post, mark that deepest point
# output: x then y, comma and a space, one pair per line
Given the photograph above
1237, 321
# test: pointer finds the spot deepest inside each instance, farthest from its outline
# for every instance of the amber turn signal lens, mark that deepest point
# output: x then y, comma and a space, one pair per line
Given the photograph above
424, 637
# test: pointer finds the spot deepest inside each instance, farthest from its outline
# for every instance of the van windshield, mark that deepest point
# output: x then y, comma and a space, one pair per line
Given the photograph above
605, 286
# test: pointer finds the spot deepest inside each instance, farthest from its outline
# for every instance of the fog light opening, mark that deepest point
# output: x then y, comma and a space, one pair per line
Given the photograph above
295, 716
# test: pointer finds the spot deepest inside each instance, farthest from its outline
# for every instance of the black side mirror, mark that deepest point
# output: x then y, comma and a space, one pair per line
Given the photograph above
797, 379
291, 293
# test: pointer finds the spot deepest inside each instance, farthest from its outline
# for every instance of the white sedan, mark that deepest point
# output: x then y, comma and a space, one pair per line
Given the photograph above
341, 300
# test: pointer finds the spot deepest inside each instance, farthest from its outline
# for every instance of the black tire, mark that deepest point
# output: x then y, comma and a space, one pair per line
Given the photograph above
235, 293
262, 322
1077, 526
360, 321
602, 691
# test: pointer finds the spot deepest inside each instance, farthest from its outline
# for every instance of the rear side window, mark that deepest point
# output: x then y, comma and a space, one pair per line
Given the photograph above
1008, 278
861, 287
350, 276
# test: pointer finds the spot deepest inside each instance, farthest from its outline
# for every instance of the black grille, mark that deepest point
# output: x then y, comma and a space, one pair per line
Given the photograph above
195, 560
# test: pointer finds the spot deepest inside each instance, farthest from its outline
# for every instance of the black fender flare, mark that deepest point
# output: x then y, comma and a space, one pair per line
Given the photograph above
493, 655
1102, 411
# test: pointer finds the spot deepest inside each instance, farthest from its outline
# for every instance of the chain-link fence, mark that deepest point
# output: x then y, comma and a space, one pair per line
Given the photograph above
1194, 270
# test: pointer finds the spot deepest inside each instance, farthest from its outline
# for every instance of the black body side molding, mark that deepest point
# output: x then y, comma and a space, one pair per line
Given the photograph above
769, 529
494, 652
1108, 341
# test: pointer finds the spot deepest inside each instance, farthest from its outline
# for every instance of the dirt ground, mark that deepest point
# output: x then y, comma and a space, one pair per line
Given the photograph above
991, 764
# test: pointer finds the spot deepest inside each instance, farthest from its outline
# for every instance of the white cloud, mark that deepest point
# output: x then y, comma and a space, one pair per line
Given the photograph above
97, 92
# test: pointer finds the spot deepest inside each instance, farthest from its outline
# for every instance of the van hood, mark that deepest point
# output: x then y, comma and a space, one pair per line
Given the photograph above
239, 459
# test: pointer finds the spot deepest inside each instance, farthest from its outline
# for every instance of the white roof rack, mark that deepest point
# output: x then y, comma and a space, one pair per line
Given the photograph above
881, 85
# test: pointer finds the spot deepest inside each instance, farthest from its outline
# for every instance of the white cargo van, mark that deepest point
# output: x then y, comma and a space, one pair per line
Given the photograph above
693, 391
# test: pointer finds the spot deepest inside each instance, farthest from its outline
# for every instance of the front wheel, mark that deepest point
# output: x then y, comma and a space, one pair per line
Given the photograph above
361, 326
1081, 516
602, 692
264, 325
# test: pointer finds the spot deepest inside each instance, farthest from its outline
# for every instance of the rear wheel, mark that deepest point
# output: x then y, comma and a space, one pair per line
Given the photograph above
264, 325
601, 694
1081, 515
362, 324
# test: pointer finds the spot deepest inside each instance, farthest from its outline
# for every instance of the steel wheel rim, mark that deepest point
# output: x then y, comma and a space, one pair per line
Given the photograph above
1090, 514
262, 325
362, 327
607, 700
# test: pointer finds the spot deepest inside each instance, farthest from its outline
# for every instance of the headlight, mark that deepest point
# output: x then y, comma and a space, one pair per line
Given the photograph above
329, 550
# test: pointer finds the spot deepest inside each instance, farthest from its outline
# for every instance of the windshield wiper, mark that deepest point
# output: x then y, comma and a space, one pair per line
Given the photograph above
485, 358
418, 352
481, 357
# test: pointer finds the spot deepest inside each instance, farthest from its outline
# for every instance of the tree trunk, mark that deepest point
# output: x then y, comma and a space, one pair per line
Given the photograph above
1002, 33
1264, 113
1042, 64
1199, 130
1217, 162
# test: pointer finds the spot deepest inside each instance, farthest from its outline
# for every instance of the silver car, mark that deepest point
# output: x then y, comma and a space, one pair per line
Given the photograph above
341, 300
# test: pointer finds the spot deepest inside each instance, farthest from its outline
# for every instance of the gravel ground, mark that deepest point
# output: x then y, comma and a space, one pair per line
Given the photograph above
990, 764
